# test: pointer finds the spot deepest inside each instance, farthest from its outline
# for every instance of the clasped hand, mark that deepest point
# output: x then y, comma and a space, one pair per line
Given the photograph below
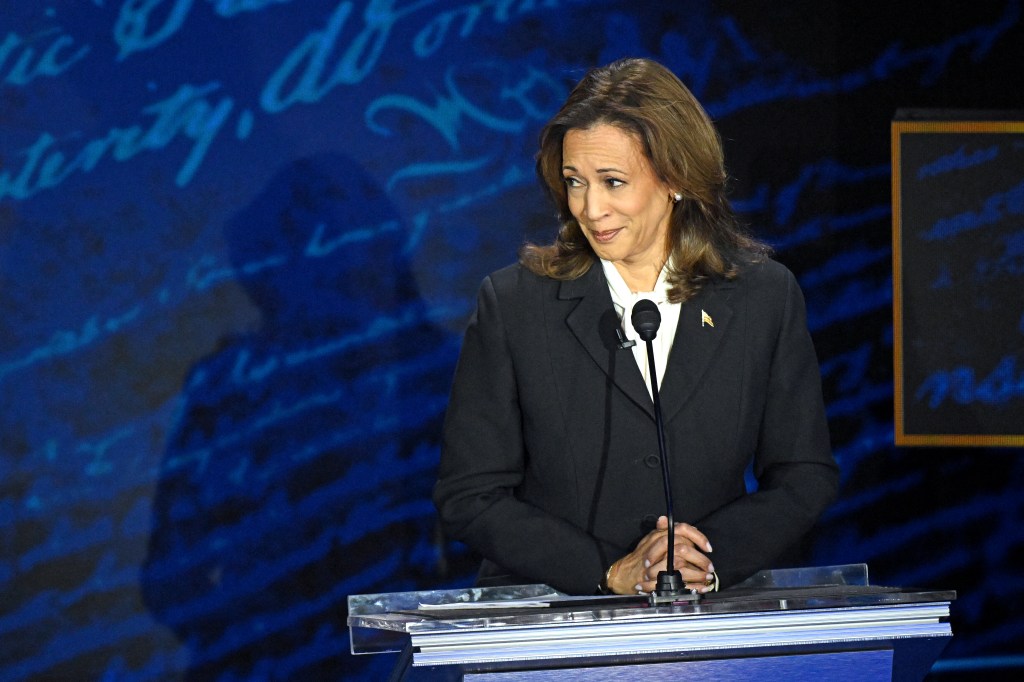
638, 570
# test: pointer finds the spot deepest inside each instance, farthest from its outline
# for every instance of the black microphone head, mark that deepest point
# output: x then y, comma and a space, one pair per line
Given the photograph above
646, 319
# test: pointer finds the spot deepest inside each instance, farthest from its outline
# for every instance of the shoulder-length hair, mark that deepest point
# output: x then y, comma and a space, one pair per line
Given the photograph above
684, 149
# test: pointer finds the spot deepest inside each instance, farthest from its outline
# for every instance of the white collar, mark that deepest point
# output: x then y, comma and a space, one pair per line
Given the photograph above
623, 297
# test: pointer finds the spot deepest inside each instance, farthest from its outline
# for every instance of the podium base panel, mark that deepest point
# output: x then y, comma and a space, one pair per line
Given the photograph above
845, 666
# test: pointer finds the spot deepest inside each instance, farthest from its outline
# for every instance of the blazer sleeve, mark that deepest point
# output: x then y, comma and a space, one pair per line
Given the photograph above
796, 473
483, 463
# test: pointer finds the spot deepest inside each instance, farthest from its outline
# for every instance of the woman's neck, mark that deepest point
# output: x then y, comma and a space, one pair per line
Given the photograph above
640, 278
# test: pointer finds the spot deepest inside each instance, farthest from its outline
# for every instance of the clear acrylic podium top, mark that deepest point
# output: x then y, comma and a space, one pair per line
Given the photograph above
382, 622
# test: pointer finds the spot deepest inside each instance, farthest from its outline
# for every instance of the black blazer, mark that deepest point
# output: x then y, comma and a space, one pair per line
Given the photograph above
549, 464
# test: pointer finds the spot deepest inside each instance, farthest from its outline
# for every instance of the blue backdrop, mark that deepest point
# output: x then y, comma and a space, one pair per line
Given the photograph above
239, 240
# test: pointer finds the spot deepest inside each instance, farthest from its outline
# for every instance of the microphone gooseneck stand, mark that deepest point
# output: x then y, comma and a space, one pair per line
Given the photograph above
670, 587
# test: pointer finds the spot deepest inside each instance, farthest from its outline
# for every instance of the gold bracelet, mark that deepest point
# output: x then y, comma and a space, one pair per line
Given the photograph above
604, 587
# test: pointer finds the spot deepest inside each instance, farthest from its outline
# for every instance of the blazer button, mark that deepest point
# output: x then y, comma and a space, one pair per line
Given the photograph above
652, 461
648, 523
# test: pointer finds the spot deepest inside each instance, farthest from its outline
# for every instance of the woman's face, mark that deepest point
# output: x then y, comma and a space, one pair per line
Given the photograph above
614, 194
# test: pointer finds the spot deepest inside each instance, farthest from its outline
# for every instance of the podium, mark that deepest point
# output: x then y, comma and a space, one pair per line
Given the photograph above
822, 623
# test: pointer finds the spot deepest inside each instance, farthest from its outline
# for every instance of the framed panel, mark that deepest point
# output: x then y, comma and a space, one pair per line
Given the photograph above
958, 278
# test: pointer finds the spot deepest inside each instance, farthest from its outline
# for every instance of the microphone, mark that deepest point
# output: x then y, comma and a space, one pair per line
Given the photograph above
624, 343
646, 319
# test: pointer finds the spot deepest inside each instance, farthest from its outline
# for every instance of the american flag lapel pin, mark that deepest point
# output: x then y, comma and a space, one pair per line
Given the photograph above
705, 319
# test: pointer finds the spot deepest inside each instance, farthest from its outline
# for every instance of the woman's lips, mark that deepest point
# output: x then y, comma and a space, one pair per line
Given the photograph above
605, 236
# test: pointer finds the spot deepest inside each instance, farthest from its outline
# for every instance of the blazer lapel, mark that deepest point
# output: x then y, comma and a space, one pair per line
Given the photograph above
594, 321
703, 322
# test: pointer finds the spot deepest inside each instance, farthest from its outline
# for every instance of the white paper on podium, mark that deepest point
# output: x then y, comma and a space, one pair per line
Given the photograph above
542, 601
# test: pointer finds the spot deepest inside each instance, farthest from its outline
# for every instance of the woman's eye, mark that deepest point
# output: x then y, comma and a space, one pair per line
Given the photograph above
614, 182
572, 182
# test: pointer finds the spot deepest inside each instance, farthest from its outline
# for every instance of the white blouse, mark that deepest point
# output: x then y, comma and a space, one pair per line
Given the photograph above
623, 299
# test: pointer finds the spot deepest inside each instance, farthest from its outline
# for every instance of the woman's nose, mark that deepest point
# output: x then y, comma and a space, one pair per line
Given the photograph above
595, 204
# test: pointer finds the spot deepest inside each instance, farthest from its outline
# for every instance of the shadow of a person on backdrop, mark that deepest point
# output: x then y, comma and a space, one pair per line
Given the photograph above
303, 456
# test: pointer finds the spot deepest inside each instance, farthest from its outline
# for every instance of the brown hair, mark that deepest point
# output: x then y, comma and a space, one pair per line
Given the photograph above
680, 142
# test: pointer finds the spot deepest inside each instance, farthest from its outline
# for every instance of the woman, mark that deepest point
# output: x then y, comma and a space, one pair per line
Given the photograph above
549, 465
